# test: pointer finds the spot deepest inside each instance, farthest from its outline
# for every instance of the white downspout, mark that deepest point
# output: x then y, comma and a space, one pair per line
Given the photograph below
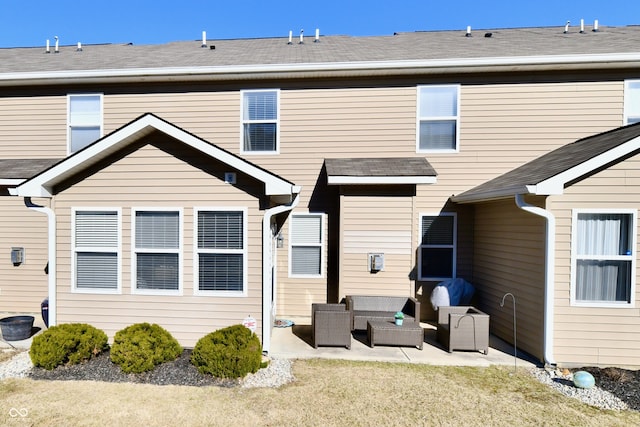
267, 247
549, 264
51, 255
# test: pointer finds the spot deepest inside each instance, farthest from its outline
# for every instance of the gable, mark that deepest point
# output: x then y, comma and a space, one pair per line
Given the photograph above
147, 126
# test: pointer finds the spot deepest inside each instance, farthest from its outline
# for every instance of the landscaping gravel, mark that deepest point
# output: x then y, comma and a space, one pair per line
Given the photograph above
616, 389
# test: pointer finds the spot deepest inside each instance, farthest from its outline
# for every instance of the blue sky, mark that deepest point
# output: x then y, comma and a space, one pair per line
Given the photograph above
143, 21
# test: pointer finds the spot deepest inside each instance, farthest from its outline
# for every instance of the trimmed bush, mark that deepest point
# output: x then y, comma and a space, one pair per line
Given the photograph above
141, 347
69, 343
231, 352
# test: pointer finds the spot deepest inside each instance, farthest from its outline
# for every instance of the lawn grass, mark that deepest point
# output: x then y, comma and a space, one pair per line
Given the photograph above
325, 393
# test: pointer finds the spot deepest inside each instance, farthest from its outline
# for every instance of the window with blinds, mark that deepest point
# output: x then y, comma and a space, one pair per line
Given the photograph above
438, 117
260, 115
604, 257
221, 250
437, 247
96, 250
306, 243
157, 250
84, 119
631, 102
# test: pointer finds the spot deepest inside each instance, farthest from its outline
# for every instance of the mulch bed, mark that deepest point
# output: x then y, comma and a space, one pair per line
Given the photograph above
622, 383
100, 368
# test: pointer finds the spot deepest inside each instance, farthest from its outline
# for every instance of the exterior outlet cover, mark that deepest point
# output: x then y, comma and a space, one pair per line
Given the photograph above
376, 262
230, 177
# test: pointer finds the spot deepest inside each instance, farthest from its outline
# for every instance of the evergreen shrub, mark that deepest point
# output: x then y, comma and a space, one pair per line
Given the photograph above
231, 352
142, 346
69, 343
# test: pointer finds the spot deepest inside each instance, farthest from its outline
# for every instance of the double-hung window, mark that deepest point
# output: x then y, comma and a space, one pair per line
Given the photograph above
157, 251
260, 121
437, 257
84, 120
221, 251
438, 118
96, 250
631, 102
306, 237
603, 261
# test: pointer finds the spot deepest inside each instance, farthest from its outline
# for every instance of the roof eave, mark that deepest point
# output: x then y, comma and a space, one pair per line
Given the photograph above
329, 69
379, 180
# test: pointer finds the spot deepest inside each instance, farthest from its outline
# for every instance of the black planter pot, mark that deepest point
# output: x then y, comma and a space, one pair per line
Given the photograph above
16, 328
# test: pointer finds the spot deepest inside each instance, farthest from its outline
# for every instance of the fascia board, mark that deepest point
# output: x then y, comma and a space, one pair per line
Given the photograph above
369, 180
183, 73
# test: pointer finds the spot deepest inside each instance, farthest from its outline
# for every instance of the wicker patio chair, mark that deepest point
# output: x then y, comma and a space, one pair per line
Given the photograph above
463, 328
330, 325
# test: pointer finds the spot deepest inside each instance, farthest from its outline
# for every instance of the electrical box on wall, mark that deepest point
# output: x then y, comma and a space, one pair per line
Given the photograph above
376, 262
17, 256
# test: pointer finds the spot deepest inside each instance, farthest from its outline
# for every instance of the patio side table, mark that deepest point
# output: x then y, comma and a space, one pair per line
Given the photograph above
409, 334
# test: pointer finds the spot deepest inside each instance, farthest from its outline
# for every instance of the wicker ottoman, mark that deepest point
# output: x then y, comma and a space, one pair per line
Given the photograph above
408, 334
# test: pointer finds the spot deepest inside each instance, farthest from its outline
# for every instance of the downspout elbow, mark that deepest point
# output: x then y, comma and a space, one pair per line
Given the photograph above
550, 232
51, 255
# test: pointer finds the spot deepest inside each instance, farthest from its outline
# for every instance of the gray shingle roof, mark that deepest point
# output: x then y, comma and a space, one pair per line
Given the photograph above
24, 168
550, 165
380, 167
330, 49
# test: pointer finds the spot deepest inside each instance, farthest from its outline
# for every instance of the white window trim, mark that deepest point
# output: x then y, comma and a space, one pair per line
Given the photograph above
74, 250
323, 220
420, 118
179, 251
69, 122
244, 252
454, 246
574, 258
627, 93
243, 121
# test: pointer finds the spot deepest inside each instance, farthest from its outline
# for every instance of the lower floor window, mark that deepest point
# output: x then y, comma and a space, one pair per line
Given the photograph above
437, 253
604, 258
96, 239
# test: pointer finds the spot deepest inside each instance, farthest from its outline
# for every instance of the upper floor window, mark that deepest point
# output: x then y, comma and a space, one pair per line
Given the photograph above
438, 118
221, 251
157, 251
260, 121
306, 236
603, 257
437, 247
84, 120
96, 250
631, 102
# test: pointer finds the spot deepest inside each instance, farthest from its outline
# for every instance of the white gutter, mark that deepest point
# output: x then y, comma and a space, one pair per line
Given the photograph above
51, 256
549, 273
509, 63
267, 275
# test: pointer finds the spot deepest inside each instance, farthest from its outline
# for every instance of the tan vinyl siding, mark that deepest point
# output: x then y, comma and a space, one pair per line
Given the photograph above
151, 177
33, 127
23, 287
592, 335
375, 224
509, 246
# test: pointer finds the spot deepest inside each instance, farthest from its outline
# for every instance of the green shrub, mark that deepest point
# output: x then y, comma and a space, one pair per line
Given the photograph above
231, 352
68, 343
141, 347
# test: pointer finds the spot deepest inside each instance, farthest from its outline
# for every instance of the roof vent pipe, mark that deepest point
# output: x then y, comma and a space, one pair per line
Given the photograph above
290, 37
79, 48
582, 26
317, 35
468, 34
595, 26
56, 48
204, 39
48, 50
301, 37
566, 27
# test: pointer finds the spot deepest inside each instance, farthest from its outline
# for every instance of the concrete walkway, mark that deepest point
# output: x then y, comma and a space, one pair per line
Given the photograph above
295, 343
